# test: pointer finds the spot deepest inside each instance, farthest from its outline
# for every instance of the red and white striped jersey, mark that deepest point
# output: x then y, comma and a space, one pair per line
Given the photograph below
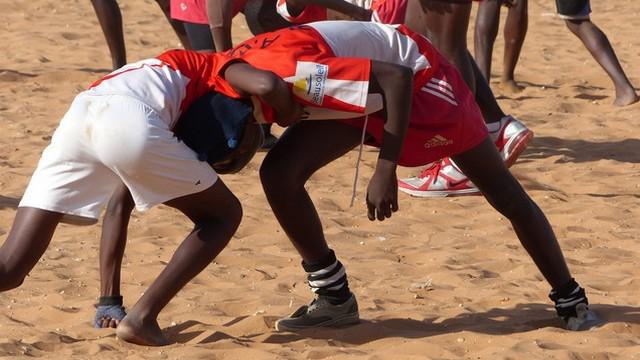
328, 63
170, 82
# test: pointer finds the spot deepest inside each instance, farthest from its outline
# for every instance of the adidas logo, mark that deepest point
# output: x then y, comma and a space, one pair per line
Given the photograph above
437, 140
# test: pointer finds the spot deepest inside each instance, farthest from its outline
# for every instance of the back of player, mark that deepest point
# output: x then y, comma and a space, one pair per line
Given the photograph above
341, 39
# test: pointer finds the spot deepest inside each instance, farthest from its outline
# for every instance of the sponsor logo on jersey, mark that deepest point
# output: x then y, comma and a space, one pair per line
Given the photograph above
310, 81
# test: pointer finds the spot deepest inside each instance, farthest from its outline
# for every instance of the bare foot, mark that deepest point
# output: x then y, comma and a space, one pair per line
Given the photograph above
139, 332
510, 86
624, 98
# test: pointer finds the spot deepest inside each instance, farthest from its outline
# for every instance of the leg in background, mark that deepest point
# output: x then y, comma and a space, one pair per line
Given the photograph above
515, 31
600, 48
110, 19
177, 25
487, 24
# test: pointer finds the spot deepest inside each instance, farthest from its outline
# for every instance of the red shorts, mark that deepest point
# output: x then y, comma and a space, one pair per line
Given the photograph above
445, 121
195, 11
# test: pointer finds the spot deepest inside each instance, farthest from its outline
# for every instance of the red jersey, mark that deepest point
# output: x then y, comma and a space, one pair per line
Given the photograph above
170, 82
328, 63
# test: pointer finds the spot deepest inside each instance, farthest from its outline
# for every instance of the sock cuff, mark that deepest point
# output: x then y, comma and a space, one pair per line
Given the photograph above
564, 290
325, 262
110, 300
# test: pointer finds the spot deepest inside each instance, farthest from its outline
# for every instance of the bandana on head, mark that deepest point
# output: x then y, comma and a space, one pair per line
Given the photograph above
213, 126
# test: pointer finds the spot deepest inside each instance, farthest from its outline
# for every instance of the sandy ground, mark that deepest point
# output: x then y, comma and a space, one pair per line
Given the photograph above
444, 279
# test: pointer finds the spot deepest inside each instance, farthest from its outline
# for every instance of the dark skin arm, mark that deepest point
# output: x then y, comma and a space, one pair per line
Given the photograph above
112, 244
219, 14
396, 85
357, 13
249, 81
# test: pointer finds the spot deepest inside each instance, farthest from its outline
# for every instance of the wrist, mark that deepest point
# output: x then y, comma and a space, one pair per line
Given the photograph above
386, 166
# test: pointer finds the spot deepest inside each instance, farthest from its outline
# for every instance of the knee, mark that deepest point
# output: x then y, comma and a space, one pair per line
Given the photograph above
233, 214
278, 176
511, 201
574, 26
221, 226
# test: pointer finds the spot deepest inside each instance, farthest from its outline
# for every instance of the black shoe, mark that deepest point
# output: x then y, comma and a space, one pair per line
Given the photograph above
321, 313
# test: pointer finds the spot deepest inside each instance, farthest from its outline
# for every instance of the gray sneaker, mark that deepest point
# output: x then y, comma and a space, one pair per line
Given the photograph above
586, 319
321, 313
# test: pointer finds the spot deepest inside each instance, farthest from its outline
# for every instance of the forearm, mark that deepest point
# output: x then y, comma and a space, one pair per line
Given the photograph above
219, 15
113, 240
395, 82
266, 85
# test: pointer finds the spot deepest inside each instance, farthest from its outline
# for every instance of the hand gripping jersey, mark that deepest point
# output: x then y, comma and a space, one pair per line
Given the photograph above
328, 63
168, 83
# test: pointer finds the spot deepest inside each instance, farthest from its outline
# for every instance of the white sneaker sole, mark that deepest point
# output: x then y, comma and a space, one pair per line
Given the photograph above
441, 193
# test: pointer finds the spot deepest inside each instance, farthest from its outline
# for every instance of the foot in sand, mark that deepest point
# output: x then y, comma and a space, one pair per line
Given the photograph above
510, 86
141, 332
625, 97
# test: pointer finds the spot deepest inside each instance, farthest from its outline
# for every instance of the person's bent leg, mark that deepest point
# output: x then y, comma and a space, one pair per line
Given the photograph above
486, 30
301, 151
600, 48
515, 31
483, 165
216, 214
110, 20
28, 239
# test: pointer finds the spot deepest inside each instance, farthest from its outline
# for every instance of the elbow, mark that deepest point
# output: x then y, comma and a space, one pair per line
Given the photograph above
266, 83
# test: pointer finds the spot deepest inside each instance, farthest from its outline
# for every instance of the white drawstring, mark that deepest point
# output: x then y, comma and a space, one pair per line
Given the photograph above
355, 178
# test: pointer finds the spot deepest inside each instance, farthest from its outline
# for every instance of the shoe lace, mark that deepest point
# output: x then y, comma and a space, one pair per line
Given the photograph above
432, 171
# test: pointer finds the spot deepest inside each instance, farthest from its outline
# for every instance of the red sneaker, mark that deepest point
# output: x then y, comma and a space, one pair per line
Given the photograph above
441, 179
512, 138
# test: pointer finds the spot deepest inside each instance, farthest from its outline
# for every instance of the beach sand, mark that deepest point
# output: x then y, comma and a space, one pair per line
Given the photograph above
443, 279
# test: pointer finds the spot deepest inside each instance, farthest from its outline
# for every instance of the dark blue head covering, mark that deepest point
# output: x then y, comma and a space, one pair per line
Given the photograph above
213, 126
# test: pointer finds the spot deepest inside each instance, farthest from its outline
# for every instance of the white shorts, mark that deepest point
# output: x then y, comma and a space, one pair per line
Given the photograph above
106, 140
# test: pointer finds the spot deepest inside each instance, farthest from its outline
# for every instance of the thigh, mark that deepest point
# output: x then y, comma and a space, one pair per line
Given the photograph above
309, 145
484, 166
216, 203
